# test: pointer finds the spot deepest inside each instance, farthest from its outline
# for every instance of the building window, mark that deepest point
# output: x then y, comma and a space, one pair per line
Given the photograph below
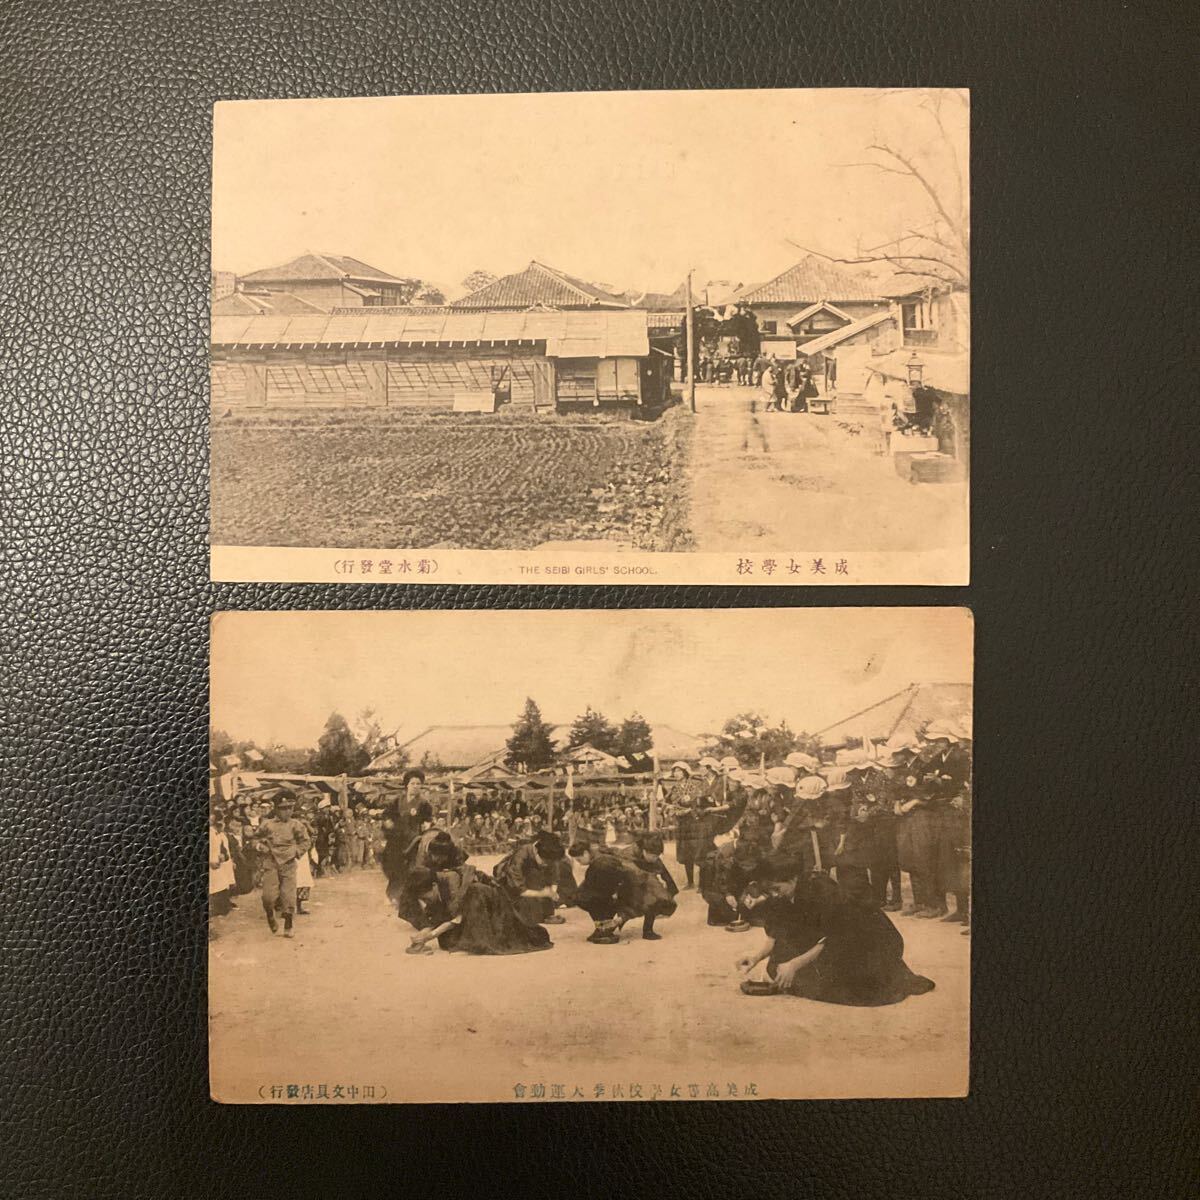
768, 326
918, 318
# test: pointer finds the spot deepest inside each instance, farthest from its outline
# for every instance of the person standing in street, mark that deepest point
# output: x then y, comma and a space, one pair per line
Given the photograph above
769, 377
281, 840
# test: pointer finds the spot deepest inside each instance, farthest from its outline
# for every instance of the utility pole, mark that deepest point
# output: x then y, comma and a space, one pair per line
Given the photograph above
691, 344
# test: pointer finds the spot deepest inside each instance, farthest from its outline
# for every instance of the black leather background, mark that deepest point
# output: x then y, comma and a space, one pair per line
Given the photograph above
1084, 301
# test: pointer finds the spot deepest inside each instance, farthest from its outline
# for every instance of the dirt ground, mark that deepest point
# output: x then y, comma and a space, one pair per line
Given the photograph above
783, 480
342, 1005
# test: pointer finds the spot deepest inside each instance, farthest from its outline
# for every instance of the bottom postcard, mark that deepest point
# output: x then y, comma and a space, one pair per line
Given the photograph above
589, 856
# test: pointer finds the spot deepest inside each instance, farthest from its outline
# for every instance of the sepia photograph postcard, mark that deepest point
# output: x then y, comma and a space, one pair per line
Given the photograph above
590, 856
663, 337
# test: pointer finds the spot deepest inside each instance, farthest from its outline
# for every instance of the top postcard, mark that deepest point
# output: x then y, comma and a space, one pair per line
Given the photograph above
715, 337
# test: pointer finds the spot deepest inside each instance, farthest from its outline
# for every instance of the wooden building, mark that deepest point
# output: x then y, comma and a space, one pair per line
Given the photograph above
437, 359
329, 281
807, 301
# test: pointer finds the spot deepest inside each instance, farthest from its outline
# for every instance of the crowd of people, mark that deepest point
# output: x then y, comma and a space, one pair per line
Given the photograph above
279, 842
812, 854
788, 386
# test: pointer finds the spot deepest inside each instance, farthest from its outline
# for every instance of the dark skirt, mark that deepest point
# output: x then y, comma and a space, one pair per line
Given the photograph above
646, 895
917, 841
693, 840
532, 909
862, 963
611, 888
243, 870
491, 925
953, 869
568, 889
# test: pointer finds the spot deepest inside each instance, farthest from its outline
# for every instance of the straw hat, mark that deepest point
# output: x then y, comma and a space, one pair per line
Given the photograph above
729, 763
784, 775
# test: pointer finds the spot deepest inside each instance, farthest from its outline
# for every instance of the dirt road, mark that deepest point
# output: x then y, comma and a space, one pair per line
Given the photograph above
342, 1004
776, 481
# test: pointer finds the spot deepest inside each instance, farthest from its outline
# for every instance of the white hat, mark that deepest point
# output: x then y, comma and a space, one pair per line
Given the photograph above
730, 763
799, 759
709, 761
681, 766
835, 779
811, 787
784, 775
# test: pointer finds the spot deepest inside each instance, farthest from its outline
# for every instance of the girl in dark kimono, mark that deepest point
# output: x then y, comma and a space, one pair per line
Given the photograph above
648, 859
700, 820
615, 889
853, 857
402, 827
243, 855
821, 948
467, 913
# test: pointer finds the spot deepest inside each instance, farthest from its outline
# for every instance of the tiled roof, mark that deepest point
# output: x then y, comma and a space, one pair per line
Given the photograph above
309, 267
911, 709
595, 334
277, 304
539, 284
809, 280
663, 301
463, 745
473, 745
836, 336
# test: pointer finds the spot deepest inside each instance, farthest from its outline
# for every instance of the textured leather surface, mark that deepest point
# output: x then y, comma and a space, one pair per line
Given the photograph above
1083, 398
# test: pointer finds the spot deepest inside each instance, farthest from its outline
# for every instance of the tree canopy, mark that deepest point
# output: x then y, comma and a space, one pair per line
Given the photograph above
477, 279
592, 728
530, 747
634, 737
338, 751
751, 739
741, 326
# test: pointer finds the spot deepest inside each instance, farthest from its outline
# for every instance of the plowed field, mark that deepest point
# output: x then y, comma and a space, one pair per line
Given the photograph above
449, 480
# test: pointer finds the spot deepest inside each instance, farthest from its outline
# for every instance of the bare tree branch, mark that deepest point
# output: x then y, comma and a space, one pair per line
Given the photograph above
914, 235
960, 276
930, 190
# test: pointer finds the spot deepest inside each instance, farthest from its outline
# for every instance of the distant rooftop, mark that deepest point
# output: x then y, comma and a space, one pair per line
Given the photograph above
310, 267
540, 285
811, 279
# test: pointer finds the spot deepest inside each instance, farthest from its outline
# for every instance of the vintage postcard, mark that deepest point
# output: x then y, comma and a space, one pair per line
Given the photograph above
580, 856
683, 337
